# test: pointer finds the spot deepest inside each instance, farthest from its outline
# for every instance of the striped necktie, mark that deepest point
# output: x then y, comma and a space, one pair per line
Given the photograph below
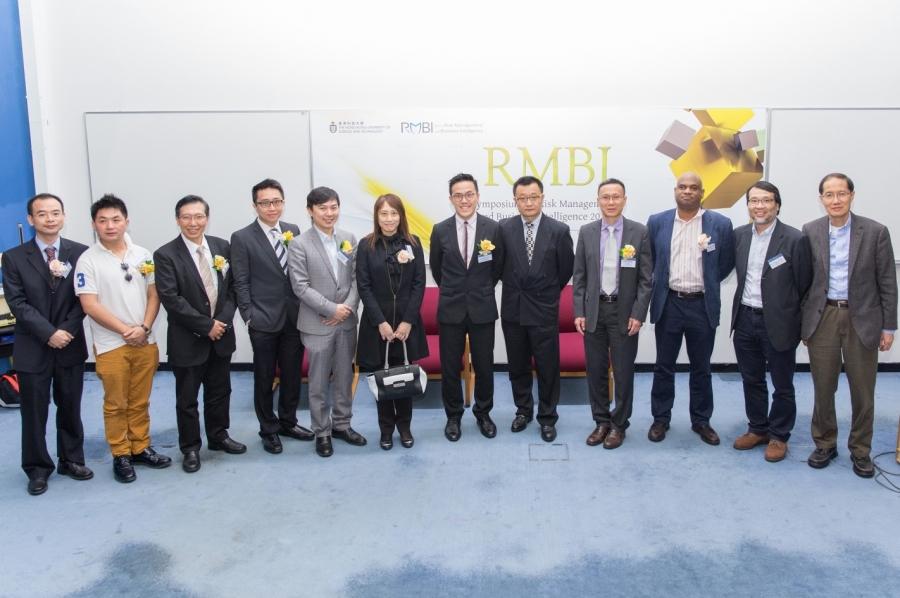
280, 251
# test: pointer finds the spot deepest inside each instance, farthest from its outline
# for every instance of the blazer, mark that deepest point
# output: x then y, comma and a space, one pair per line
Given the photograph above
782, 287
315, 284
182, 293
634, 282
262, 289
531, 292
873, 279
466, 289
42, 307
717, 264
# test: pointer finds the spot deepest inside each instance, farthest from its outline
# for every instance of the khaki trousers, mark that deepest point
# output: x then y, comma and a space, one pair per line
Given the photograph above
127, 376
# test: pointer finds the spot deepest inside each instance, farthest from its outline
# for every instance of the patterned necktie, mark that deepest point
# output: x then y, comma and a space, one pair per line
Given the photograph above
50, 250
529, 240
608, 277
280, 251
207, 278
464, 250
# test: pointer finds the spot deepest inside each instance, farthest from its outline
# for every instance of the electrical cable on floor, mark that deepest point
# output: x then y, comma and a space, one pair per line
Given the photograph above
883, 476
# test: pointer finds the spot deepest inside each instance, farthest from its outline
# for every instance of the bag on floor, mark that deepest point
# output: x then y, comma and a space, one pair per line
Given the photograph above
9, 389
402, 382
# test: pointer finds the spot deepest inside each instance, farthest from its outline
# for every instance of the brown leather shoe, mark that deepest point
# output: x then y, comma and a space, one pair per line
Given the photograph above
614, 439
598, 435
706, 433
747, 441
657, 431
776, 450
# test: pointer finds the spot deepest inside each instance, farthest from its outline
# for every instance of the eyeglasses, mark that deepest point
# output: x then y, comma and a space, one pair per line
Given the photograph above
760, 202
192, 217
275, 203
840, 195
470, 195
125, 268
529, 198
615, 197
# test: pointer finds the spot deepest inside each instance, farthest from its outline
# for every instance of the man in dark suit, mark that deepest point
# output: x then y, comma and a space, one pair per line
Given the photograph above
269, 308
49, 345
611, 292
773, 274
193, 280
466, 260
849, 315
538, 264
693, 252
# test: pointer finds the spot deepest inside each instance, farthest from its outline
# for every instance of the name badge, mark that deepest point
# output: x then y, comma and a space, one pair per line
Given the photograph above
342, 258
485, 258
628, 263
776, 261
711, 247
409, 249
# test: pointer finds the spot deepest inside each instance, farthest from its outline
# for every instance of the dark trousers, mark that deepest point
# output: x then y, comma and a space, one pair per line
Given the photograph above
683, 318
34, 390
393, 414
609, 344
452, 344
541, 344
284, 350
754, 352
215, 376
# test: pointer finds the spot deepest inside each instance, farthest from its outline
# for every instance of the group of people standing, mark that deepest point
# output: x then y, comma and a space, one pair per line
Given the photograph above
833, 285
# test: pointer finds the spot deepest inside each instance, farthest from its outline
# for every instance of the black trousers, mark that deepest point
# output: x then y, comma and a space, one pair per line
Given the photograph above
452, 344
754, 352
541, 344
607, 343
284, 350
215, 376
34, 389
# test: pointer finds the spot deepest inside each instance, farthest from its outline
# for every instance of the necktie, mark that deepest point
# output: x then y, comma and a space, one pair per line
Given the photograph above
464, 250
608, 278
280, 251
207, 278
529, 241
50, 250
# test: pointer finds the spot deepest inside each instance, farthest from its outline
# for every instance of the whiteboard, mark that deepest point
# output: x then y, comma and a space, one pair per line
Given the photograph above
152, 159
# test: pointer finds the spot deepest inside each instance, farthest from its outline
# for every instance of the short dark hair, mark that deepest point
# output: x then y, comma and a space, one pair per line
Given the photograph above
320, 195
266, 184
108, 201
835, 175
611, 181
44, 196
462, 178
189, 199
768, 187
524, 181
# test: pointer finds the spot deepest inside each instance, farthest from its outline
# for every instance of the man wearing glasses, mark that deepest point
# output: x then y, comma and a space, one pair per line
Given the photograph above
269, 308
849, 315
773, 274
114, 280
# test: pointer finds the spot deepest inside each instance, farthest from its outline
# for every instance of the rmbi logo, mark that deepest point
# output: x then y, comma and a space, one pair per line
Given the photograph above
417, 128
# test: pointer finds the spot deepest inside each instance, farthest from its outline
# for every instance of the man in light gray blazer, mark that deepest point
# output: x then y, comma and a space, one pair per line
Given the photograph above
849, 315
322, 263
611, 290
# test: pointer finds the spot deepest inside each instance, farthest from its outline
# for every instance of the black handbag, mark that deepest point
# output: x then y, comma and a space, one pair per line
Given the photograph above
401, 382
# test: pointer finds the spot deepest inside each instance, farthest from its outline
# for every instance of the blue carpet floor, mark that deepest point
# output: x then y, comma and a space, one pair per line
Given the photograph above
511, 516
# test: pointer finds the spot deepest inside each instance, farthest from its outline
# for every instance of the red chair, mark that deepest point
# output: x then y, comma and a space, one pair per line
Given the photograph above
572, 361
432, 363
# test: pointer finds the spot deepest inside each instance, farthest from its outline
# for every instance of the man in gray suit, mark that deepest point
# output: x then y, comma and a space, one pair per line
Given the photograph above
611, 290
849, 315
322, 263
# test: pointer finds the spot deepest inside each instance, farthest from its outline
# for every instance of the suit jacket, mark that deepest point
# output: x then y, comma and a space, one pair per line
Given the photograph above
783, 287
314, 282
182, 293
42, 307
634, 282
531, 292
873, 279
466, 289
262, 289
717, 264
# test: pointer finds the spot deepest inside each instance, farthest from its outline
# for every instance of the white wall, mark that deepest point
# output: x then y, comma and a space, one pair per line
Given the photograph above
109, 55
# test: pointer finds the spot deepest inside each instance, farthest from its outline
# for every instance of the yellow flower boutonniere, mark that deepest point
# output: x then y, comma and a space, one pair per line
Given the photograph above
220, 264
485, 247
286, 237
627, 252
346, 247
146, 268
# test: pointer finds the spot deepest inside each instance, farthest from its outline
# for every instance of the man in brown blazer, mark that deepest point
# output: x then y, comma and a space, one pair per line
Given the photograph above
849, 315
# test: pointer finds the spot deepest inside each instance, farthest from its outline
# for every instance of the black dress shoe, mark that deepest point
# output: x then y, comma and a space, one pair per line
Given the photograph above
452, 431
706, 433
229, 445
76, 471
406, 439
271, 443
863, 467
387, 442
323, 446
657, 431
151, 458
548, 433
123, 470
519, 423
350, 436
37, 486
297, 432
487, 426
191, 462
821, 457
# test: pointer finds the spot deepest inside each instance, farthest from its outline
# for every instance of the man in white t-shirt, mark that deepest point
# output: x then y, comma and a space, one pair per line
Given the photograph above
114, 281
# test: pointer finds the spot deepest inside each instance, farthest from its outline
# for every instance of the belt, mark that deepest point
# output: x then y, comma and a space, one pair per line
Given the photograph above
682, 295
608, 298
756, 310
841, 303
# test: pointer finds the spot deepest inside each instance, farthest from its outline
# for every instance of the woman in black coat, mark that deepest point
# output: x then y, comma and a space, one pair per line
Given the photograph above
390, 278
